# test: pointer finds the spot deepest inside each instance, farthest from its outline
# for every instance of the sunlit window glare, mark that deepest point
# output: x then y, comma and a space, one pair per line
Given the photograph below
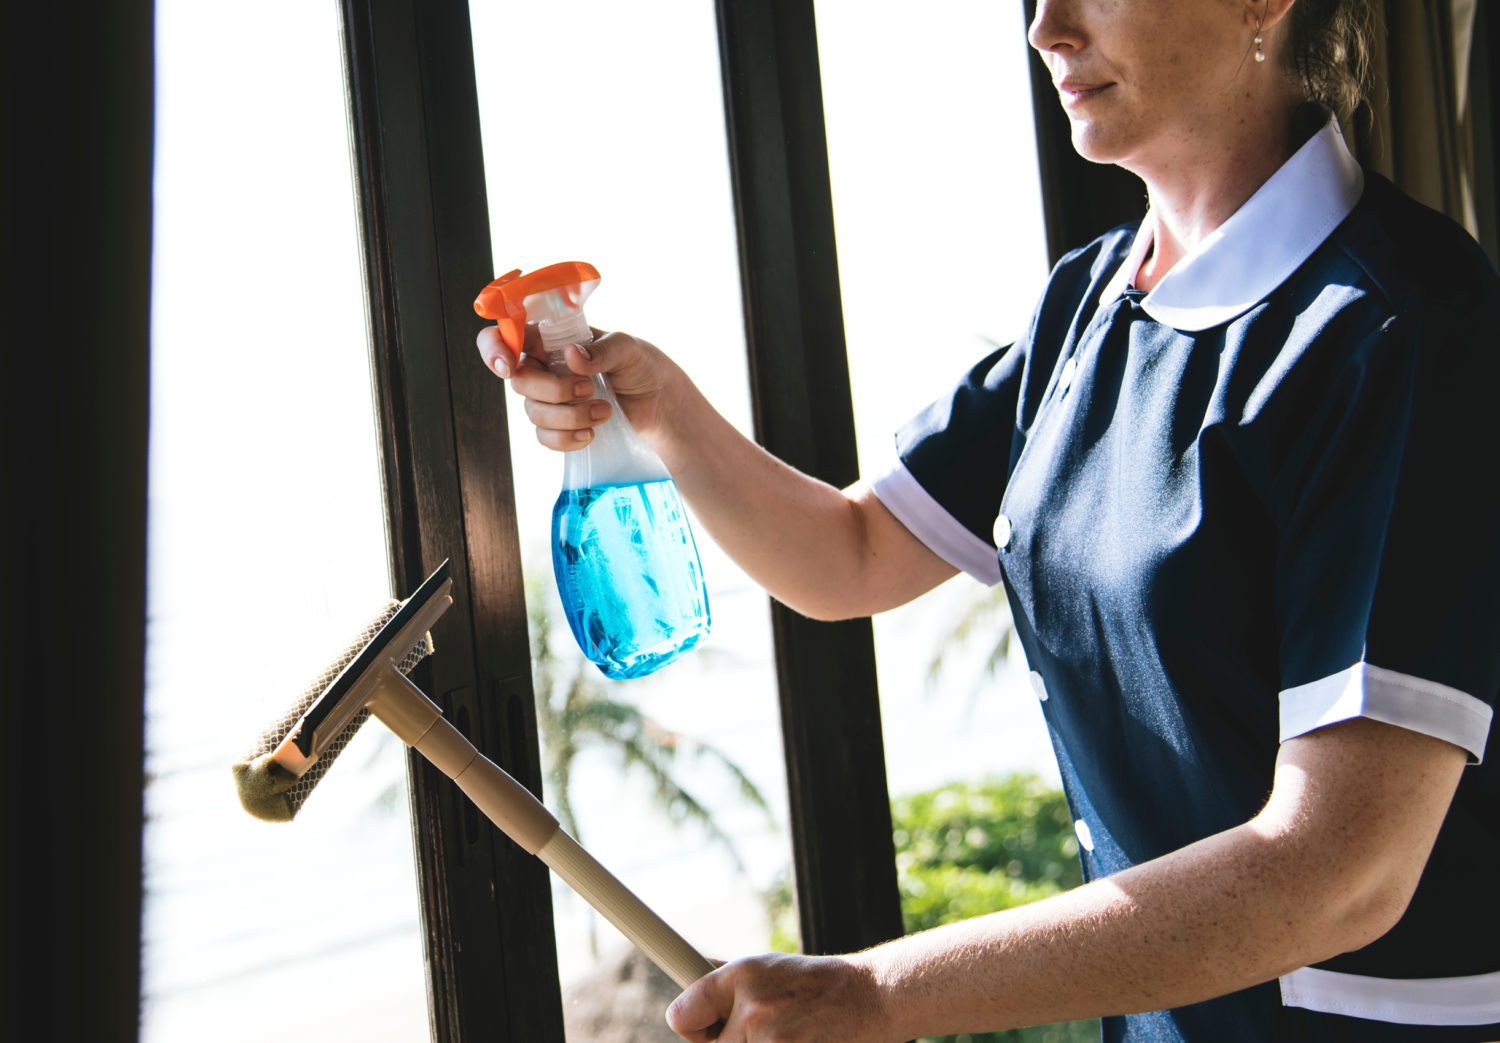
267, 548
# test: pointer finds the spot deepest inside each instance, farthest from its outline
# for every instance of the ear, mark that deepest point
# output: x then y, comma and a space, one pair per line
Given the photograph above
1267, 13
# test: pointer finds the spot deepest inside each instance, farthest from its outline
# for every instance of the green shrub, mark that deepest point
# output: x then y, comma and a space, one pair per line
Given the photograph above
966, 849
1012, 837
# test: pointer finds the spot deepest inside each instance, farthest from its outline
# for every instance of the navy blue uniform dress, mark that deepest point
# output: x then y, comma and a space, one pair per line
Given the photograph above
1261, 499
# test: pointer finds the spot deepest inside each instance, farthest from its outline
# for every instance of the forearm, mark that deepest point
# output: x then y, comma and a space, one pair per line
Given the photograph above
1195, 924
1198, 923
1325, 868
805, 541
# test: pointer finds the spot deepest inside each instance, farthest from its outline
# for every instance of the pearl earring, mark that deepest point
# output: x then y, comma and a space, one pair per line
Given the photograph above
1260, 55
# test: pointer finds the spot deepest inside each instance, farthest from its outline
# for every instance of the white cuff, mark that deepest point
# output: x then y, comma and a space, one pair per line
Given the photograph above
1364, 690
931, 523
1472, 1000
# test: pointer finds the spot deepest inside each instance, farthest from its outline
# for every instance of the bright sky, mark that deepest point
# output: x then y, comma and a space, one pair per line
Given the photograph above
267, 540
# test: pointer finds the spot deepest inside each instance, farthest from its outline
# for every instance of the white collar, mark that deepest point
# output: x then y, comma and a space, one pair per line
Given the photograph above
1259, 247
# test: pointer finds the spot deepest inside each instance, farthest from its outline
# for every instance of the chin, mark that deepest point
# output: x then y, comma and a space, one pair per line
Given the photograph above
1094, 143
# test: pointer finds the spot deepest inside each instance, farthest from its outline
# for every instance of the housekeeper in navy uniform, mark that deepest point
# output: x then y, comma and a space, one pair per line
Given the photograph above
1239, 482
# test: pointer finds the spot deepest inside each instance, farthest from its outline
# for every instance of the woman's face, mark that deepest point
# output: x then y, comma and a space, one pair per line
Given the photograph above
1148, 82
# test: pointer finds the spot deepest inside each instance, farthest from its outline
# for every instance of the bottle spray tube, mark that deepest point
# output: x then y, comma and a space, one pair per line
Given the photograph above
627, 567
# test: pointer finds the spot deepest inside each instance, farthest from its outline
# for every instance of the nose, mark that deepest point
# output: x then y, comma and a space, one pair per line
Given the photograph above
1055, 26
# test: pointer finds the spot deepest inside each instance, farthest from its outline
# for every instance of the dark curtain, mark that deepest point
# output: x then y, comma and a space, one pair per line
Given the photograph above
1430, 127
76, 287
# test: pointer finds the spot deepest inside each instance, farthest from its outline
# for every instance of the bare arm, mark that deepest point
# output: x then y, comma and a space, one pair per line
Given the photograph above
1328, 866
826, 552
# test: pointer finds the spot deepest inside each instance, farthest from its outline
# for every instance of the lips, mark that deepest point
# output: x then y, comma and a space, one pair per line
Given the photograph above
1076, 92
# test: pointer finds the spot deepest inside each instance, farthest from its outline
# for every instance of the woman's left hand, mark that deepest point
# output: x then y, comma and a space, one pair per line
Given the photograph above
789, 999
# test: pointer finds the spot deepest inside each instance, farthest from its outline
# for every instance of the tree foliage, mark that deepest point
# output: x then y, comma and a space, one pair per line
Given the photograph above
577, 710
986, 616
966, 849
972, 848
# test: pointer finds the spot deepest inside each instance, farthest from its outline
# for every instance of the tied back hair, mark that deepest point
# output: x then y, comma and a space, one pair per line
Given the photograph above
1330, 52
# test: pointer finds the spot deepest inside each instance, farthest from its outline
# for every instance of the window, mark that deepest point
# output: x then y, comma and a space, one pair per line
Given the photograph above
930, 141
581, 176
267, 547
604, 142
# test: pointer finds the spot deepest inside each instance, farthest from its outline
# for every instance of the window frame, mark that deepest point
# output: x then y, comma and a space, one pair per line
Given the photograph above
414, 130
419, 172
843, 853
425, 231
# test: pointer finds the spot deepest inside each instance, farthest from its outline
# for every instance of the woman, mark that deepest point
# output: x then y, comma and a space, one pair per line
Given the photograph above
1227, 479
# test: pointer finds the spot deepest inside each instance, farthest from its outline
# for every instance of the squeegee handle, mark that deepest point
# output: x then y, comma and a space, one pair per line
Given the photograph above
617, 904
522, 817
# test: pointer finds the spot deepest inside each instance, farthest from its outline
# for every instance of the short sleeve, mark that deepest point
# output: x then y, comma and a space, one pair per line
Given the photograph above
1388, 569
949, 473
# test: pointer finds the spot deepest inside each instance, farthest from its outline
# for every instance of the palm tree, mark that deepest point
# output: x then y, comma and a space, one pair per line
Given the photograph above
576, 710
985, 616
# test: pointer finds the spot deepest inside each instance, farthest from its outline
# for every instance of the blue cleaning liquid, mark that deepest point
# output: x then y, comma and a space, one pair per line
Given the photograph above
629, 575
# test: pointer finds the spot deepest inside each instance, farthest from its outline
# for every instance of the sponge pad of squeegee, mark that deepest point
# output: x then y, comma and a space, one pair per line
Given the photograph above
270, 792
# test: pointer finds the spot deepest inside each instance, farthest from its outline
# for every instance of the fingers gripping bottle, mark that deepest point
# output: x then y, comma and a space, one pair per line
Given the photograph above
627, 568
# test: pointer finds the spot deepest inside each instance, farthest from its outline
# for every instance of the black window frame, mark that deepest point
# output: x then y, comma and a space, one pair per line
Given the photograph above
420, 176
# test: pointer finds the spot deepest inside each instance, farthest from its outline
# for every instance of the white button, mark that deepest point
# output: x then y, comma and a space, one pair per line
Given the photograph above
1002, 532
1085, 835
1065, 378
1038, 686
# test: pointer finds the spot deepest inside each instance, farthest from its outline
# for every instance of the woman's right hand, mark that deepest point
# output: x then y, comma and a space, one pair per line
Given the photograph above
562, 406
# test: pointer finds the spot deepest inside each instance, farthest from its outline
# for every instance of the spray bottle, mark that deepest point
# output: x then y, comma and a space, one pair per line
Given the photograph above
627, 567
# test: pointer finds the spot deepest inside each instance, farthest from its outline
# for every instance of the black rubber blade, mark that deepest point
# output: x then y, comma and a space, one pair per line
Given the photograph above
341, 685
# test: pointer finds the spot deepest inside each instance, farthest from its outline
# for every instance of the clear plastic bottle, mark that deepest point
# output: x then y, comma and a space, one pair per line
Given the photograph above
627, 566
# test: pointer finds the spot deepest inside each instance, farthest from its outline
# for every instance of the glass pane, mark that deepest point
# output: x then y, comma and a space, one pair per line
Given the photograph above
933, 166
267, 548
604, 142
960, 190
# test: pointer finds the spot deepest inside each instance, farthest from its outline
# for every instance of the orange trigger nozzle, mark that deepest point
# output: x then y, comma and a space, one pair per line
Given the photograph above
504, 299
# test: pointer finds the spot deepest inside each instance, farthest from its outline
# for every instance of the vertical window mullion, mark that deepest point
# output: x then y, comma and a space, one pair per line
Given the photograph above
830, 715
487, 911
